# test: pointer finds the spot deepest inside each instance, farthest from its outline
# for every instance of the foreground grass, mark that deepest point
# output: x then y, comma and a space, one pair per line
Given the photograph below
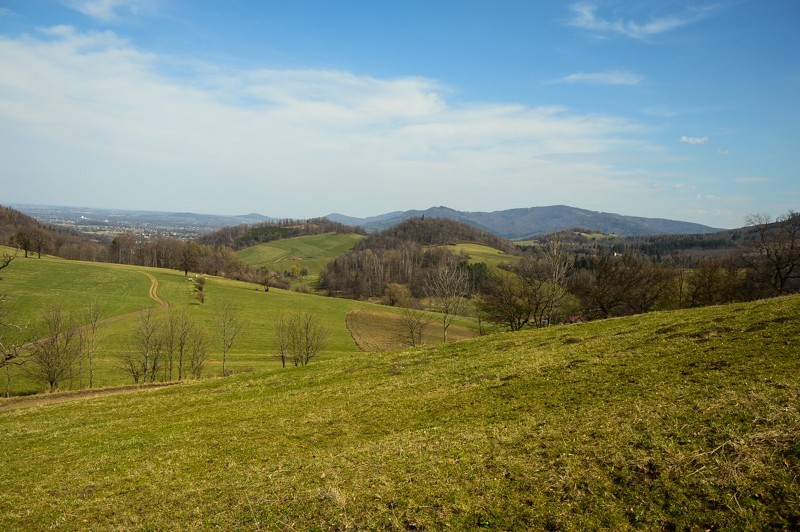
665, 421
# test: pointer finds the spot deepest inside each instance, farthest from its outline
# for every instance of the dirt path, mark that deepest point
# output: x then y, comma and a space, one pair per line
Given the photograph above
153, 293
42, 399
154, 290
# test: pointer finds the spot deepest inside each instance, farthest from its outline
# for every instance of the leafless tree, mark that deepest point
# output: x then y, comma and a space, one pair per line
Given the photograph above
90, 336
142, 358
411, 326
230, 324
52, 357
447, 287
197, 350
14, 345
558, 269
510, 301
300, 337
775, 260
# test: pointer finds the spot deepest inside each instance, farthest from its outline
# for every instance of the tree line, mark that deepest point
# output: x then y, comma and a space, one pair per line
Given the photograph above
557, 281
246, 235
405, 254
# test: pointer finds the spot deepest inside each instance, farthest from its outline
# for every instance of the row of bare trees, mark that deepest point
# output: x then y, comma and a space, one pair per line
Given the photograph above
172, 347
55, 349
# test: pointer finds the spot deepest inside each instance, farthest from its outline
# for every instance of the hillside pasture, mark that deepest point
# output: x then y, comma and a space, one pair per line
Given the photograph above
381, 328
482, 253
665, 421
123, 291
310, 252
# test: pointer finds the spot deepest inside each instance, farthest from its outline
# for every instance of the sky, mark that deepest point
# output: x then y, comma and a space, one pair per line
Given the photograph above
299, 108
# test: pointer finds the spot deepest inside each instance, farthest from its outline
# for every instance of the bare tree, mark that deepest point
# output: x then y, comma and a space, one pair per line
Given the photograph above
197, 350
558, 266
13, 349
775, 261
229, 324
141, 360
300, 337
411, 326
52, 357
510, 301
12, 336
447, 287
90, 336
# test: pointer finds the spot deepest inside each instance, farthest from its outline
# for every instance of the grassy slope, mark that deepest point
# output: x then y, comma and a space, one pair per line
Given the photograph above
31, 284
481, 253
312, 252
676, 419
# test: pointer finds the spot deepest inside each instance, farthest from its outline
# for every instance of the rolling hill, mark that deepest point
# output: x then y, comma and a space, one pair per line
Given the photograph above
523, 223
122, 291
670, 420
311, 252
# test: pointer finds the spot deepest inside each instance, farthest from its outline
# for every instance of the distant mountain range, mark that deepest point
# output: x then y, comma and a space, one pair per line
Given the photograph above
513, 224
518, 224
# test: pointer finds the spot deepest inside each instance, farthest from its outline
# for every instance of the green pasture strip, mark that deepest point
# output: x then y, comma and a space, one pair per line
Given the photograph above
482, 253
124, 289
671, 420
31, 284
313, 252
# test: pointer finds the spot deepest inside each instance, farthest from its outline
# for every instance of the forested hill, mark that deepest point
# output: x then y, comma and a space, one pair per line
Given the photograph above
30, 236
402, 255
431, 231
246, 235
536, 221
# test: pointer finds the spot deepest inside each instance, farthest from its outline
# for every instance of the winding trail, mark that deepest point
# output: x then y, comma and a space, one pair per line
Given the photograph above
152, 292
46, 398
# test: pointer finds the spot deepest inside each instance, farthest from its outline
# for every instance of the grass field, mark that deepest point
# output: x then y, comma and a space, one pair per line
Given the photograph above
380, 329
121, 290
311, 252
481, 253
673, 420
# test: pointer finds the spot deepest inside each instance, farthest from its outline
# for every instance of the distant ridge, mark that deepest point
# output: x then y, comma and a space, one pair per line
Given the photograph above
530, 222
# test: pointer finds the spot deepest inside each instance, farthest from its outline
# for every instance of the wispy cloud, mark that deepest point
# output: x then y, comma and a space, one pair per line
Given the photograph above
109, 10
585, 16
612, 77
694, 140
81, 108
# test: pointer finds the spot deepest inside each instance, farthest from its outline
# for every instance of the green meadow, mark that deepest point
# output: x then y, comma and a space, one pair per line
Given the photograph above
682, 420
312, 252
481, 253
122, 291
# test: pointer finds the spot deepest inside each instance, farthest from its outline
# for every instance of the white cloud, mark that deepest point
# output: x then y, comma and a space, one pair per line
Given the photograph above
613, 77
585, 16
108, 10
85, 118
694, 140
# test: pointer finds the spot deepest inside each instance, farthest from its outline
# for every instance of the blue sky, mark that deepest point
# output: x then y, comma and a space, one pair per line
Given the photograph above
670, 109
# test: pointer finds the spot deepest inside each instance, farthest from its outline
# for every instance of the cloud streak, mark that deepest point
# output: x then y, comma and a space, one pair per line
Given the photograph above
108, 10
693, 140
585, 16
612, 77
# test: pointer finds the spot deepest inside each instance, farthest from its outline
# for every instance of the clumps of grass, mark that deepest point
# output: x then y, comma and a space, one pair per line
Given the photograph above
514, 431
